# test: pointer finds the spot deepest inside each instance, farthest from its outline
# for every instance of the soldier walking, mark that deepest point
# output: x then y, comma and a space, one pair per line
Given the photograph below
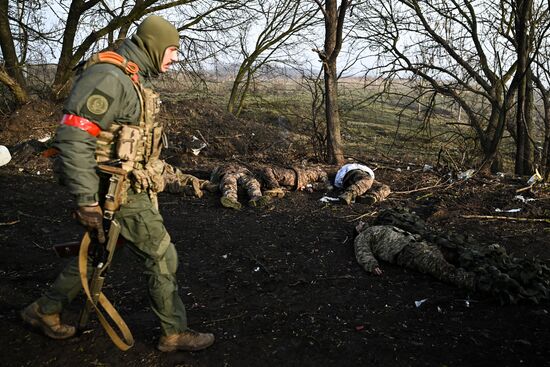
109, 118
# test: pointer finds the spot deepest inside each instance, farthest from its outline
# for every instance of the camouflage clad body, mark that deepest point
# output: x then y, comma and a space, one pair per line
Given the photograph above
177, 182
400, 247
229, 177
294, 178
356, 180
495, 272
110, 118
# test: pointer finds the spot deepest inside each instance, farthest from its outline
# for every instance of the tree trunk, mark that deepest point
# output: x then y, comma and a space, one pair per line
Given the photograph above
334, 22
20, 94
334, 136
16, 80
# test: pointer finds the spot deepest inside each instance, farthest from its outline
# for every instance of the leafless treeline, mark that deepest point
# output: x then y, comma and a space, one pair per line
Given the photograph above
489, 58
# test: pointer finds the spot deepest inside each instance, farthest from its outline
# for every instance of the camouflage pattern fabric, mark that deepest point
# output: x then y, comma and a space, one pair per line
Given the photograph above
177, 182
400, 247
508, 278
358, 182
231, 176
294, 178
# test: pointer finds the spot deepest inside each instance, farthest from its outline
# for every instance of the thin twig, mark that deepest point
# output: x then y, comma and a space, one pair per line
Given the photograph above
10, 223
524, 188
497, 217
422, 188
202, 137
224, 319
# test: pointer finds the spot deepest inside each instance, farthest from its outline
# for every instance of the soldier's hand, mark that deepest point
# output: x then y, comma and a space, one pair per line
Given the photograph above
91, 217
377, 271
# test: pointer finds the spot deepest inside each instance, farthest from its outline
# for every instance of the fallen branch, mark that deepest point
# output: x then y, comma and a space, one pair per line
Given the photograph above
497, 217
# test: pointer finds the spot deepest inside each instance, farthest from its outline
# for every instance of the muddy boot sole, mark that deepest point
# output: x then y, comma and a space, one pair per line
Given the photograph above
34, 320
228, 203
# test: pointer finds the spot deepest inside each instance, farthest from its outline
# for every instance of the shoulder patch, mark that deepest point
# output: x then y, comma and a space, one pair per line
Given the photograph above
97, 104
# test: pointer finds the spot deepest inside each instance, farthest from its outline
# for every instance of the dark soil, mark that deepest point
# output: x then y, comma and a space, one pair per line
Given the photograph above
278, 286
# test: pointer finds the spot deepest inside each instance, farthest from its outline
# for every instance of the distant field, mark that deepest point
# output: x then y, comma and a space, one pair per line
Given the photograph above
392, 125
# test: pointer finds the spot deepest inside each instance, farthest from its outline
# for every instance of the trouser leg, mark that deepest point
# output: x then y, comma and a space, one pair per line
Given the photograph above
427, 259
64, 289
360, 186
143, 226
228, 186
162, 288
251, 185
380, 191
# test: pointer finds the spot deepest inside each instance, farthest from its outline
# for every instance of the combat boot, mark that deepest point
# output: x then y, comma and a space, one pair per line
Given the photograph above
259, 201
275, 193
189, 340
346, 197
230, 203
49, 324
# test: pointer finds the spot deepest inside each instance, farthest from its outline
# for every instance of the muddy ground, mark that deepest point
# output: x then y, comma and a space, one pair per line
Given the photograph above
278, 286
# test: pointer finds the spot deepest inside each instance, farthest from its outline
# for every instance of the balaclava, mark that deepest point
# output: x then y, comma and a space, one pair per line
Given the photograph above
154, 35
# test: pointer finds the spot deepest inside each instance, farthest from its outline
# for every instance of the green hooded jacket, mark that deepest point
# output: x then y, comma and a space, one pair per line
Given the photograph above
108, 84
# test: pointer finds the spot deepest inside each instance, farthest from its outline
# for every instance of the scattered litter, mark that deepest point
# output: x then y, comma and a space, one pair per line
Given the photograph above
500, 174
535, 178
467, 303
5, 155
419, 303
466, 174
197, 150
257, 268
522, 199
398, 169
224, 256
427, 168
515, 210
439, 309
326, 199
45, 139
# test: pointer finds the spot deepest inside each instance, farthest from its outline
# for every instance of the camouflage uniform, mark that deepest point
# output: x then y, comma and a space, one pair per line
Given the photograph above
230, 177
294, 178
508, 278
400, 247
177, 182
356, 180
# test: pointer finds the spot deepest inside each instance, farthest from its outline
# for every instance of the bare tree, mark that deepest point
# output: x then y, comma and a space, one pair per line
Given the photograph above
472, 58
277, 21
334, 16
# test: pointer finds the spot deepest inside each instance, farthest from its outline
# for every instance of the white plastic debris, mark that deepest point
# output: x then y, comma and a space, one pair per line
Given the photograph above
45, 138
427, 168
224, 256
5, 155
522, 199
466, 174
535, 178
257, 268
326, 199
398, 169
500, 175
420, 302
196, 151
515, 210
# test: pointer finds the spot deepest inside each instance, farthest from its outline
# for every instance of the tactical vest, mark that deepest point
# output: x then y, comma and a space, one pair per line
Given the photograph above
131, 145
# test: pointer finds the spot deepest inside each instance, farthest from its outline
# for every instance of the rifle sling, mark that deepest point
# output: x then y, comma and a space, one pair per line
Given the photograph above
127, 340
